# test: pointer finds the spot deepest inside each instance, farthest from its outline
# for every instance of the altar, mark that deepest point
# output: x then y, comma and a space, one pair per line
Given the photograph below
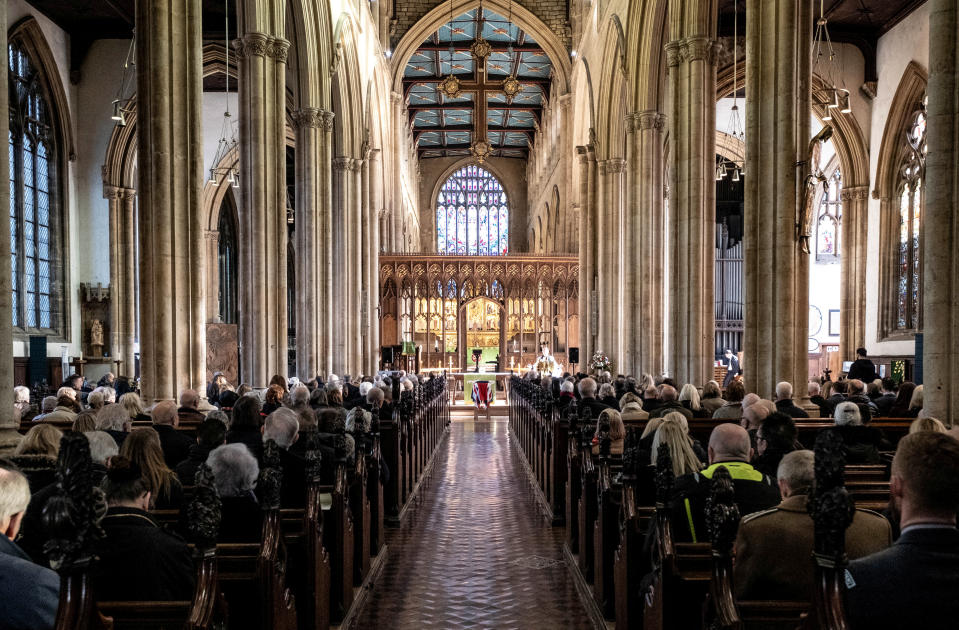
499, 382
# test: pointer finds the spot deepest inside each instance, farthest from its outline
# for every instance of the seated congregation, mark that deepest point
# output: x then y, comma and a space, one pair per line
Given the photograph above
692, 508
266, 510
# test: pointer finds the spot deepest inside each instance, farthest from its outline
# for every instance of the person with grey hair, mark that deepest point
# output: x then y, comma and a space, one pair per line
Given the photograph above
668, 402
95, 400
234, 475
174, 443
607, 395
220, 415
189, 410
766, 568
857, 394
109, 394
729, 446
299, 397
115, 420
30, 593
784, 401
862, 443
21, 401
283, 427
814, 391
587, 393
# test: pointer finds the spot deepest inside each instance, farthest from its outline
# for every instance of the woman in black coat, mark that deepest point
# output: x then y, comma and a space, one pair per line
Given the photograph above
245, 425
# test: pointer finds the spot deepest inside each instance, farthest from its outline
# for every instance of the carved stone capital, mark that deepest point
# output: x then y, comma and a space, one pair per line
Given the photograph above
312, 117
252, 44
854, 193
701, 49
279, 50
111, 192
615, 165
212, 236
126, 194
356, 165
342, 163
645, 120
674, 55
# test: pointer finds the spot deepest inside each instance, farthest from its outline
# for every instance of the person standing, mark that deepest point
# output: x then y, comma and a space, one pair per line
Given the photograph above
731, 361
862, 368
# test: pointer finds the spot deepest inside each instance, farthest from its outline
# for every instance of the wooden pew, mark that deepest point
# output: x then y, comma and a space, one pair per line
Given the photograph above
606, 532
360, 510
74, 533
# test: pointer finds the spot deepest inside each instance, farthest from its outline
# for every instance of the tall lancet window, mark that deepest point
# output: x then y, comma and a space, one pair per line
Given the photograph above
34, 197
912, 174
227, 263
830, 220
472, 214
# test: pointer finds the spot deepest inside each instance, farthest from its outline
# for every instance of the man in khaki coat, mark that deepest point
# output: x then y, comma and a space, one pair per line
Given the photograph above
774, 547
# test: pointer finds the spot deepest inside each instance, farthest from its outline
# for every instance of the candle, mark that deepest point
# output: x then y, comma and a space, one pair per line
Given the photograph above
81, 355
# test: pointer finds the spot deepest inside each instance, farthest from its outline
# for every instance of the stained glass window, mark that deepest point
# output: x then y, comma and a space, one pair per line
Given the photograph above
911, 201
829, 221
472, 214
33, 198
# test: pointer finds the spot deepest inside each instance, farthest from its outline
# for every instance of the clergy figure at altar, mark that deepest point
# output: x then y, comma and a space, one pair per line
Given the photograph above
545, 363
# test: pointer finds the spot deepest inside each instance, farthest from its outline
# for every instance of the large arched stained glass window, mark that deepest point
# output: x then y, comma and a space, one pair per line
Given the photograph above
911, 199
33, 196
472, 214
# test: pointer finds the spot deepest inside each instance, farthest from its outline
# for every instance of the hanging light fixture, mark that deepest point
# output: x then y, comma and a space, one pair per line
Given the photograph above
734, 128
227, 141
121, 103
832, 94
450, 86
511, 85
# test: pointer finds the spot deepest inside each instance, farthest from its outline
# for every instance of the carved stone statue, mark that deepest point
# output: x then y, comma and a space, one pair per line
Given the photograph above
96, 333
813, 180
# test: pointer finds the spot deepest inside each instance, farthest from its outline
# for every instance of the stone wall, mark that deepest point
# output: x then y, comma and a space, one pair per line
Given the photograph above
552, 12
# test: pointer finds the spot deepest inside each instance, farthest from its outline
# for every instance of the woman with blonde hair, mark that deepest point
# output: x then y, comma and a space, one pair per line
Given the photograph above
142, 447
134, 406
85, 421
617, 431
672, 433
689, 398
915, 403
36, 455
926, 424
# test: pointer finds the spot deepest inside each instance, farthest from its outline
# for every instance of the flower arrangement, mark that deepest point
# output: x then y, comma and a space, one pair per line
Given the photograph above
600, 363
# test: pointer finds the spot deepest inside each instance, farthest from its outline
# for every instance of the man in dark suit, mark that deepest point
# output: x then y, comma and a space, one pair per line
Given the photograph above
729, 446
668, 403
914, 582
189, 411
731, 361
175, 444
773, 548
857, 394
784, 401
862, 368
587, 393
29, 592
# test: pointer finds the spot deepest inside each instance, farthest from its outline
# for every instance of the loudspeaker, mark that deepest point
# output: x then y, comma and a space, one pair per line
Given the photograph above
39, 370
574, 355
387, 352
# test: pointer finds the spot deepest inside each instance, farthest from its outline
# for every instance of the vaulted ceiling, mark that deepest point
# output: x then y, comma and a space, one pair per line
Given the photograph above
447, 126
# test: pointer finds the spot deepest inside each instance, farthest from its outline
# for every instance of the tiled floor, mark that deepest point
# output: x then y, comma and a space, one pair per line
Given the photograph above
475, 552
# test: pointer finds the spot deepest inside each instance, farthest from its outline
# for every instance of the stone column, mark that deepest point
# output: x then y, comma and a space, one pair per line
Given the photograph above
852, 290
112, 195
357, 228
645, 243
373, 225
778, 101
127, 298
343, 276
313, 238
587, 254
263, 226
172, 284
212, 239
940, 223
9, 437
692, 212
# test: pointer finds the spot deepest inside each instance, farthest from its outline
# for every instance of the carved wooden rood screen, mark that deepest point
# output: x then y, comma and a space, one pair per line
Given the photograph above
507, 306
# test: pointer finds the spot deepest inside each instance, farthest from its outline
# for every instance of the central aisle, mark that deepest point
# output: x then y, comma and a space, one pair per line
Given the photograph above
475, 552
